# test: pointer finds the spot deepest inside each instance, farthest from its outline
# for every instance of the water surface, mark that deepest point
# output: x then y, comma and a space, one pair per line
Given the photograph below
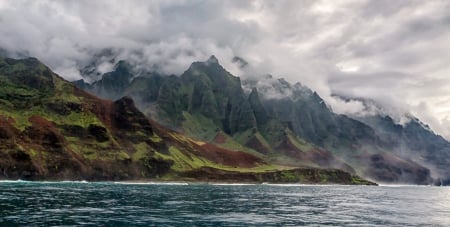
80, 203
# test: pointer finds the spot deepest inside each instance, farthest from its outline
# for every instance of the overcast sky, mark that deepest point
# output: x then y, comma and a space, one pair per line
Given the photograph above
394, 52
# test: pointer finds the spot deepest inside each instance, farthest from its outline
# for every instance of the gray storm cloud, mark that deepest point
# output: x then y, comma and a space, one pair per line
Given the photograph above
393, 52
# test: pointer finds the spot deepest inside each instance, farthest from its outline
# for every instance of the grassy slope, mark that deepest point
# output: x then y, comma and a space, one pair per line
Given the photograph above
62, 95
203, 128
83, 135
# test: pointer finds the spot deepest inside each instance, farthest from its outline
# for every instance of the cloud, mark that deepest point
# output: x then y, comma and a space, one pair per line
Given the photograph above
390, 51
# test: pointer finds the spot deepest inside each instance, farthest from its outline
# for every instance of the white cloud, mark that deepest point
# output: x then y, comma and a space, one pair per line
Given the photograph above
391, 51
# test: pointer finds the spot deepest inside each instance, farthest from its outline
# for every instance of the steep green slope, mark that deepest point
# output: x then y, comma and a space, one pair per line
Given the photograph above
59, 131
205, 89
56, 131
49, 129
206, 101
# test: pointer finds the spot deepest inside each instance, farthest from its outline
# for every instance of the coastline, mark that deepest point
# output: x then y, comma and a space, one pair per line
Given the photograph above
184, 182
307, 176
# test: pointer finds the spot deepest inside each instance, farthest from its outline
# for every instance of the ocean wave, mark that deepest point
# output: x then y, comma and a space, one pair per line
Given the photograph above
45, 182
403, 185
306, 185
232, 184
13, 181
151, 183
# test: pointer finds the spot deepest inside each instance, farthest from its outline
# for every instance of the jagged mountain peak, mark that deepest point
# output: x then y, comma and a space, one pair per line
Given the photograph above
27, 73
101, 62
386, 120
123, 65
211, 63
276, 88
212, 73
212, 60
29, 63
370, 108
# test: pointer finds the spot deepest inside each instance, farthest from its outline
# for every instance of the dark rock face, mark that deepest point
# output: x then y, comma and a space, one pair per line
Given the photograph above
98, 132
125, 116
15, 163
64, 108
74, 131
158, 167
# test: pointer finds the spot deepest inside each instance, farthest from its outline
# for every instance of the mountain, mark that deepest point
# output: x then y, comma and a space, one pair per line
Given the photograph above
52, 130
208, 103
358, 143
407, 137
415, 141
286, 124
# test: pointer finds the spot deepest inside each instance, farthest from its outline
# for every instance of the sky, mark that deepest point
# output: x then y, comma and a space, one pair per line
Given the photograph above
393, 52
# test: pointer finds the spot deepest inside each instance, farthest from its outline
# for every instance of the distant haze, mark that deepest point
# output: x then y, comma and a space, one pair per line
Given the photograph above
393, 52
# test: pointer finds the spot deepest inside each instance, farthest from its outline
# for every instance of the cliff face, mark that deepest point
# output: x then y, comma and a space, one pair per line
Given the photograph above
283, 123
208, 103
52, 130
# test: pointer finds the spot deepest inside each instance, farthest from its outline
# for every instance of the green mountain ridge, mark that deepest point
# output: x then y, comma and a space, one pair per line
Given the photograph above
52, 130
280, 122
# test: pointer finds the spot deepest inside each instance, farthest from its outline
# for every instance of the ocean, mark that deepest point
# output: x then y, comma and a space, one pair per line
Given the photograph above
182, 204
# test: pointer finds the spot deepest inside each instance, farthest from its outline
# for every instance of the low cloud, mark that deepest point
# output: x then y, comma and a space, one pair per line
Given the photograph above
387, 51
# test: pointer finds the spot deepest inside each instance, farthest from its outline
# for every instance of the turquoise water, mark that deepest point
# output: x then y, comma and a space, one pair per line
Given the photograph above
111, 204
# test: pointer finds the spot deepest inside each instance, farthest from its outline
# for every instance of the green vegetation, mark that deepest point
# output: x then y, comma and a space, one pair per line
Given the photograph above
143, 151
231, 144
274, 132
244, 136
183, 162
289, 176
58, 132
199, 126
297, 142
